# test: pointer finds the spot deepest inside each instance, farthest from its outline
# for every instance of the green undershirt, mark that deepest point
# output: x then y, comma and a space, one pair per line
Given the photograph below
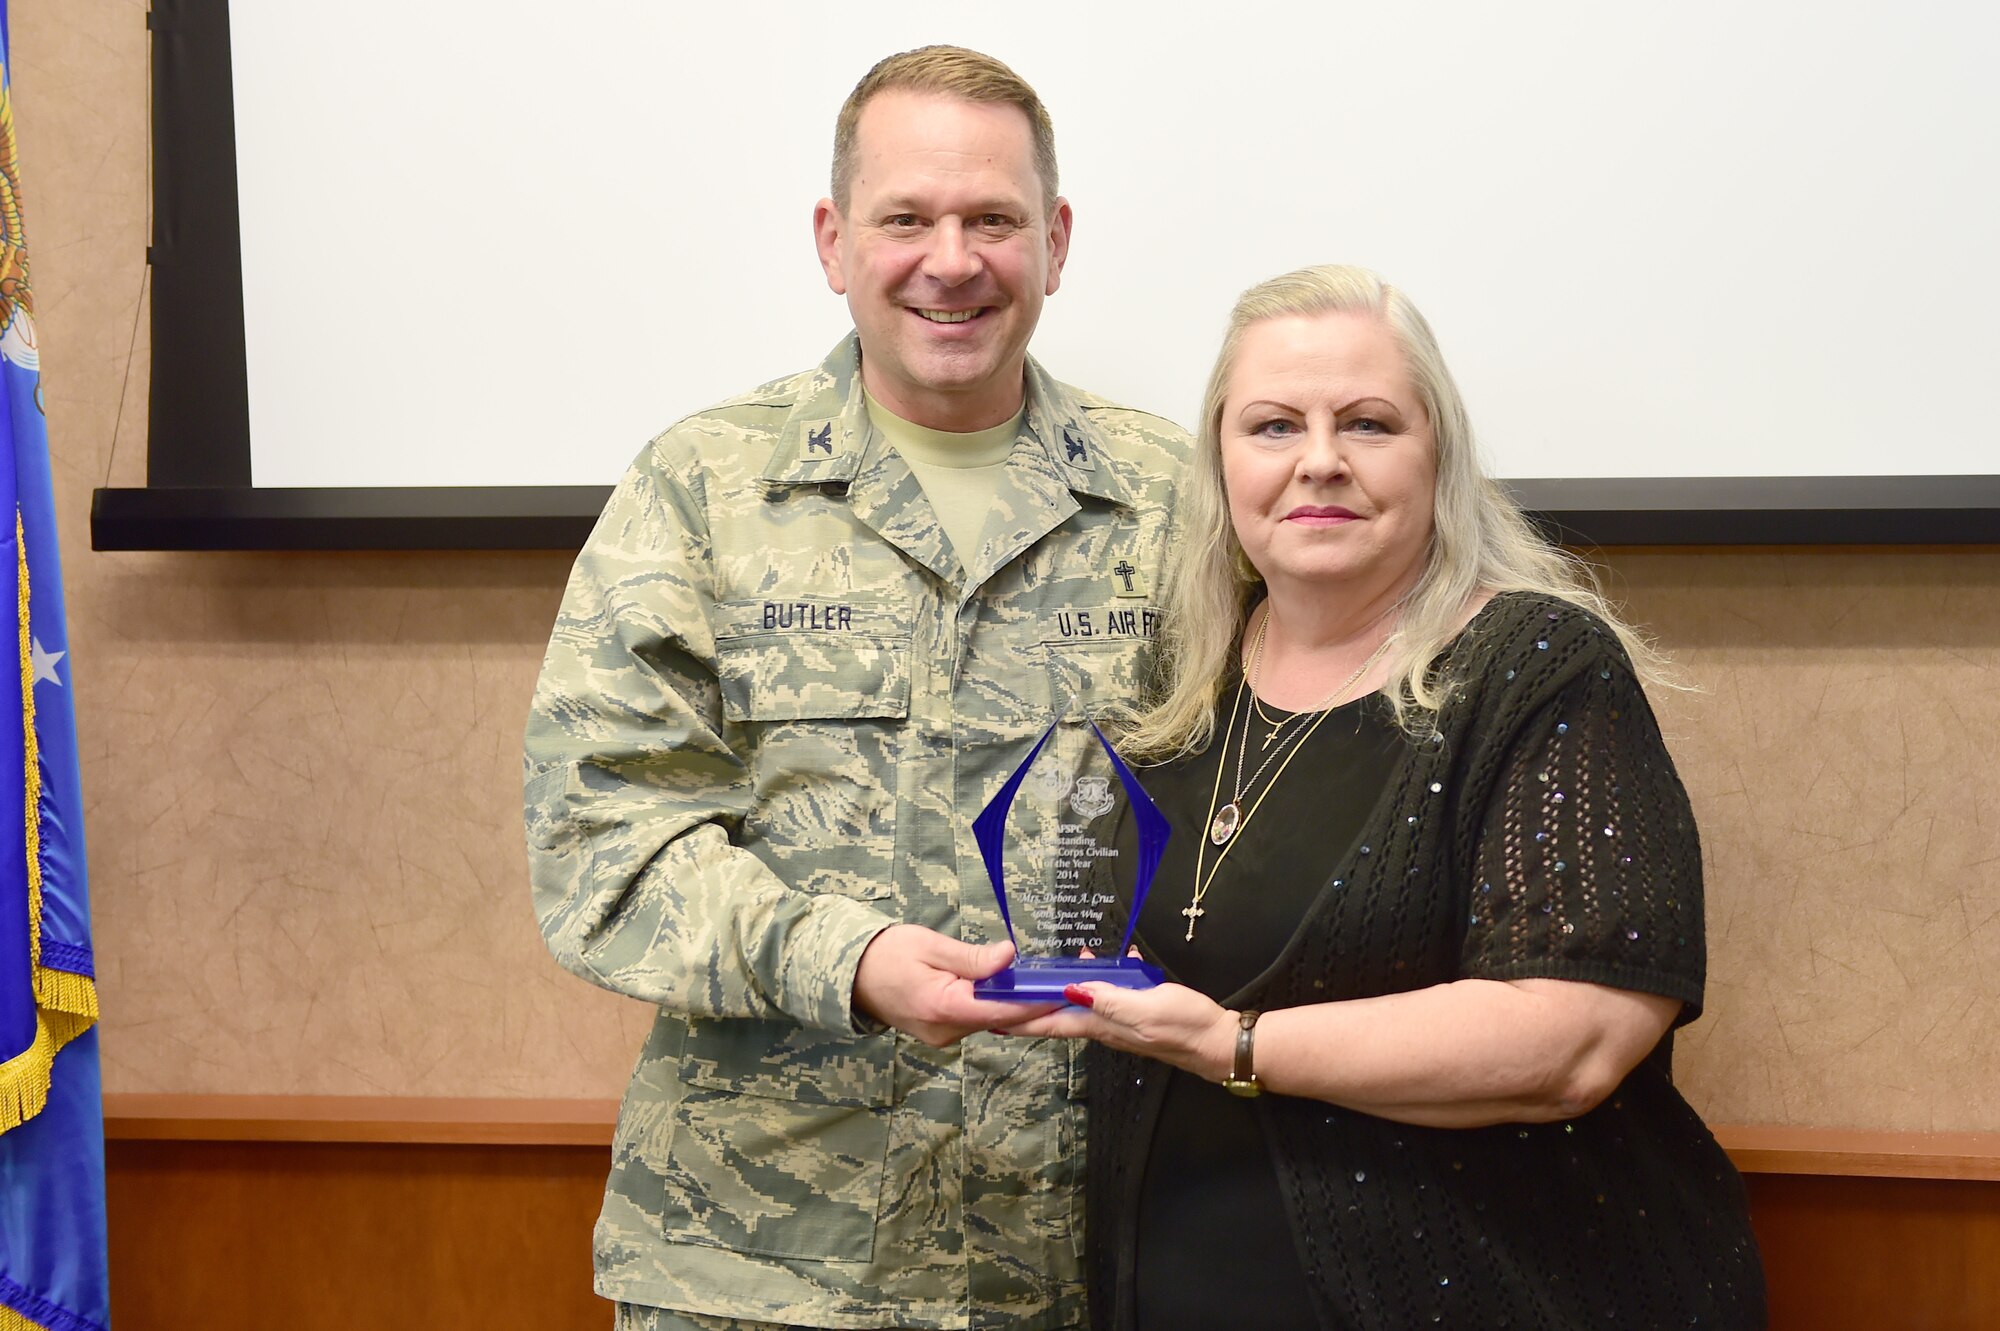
960, 473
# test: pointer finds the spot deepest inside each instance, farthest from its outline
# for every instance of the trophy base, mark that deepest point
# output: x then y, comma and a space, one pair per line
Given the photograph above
1043, 979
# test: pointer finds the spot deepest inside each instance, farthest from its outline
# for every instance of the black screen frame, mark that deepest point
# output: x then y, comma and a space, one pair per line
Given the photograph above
199, 494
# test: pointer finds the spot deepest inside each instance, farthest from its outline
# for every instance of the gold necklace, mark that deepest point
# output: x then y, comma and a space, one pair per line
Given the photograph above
1226, 822
1271, 734
1223, 822
1202, 880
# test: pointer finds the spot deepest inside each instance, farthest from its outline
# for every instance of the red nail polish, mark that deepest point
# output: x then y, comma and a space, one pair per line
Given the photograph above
1078, 995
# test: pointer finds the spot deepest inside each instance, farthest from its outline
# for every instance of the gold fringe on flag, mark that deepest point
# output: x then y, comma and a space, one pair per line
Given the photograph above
66, 1003
13, 1321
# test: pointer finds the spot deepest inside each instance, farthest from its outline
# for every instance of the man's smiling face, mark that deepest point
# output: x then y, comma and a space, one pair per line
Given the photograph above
945, 251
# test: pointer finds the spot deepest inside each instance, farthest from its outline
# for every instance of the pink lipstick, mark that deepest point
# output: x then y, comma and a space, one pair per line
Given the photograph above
1321, 515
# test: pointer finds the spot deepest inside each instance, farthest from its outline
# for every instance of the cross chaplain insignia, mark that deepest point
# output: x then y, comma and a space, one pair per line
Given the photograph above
1128, 580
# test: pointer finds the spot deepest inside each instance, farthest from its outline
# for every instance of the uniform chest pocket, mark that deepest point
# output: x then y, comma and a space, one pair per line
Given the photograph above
821, 686
1088, 675
811, 658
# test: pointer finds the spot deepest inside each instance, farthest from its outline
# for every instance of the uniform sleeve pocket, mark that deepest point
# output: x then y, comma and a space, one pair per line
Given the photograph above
812, 658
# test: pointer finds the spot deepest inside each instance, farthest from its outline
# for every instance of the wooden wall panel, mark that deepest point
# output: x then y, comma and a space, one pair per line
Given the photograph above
299, 1236
250, 1236
1878, 1254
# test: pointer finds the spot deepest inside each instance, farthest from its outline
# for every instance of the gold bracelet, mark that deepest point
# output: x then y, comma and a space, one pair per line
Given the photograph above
1242, 1078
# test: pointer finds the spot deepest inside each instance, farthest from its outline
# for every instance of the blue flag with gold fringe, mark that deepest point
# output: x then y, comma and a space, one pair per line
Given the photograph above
52, 1229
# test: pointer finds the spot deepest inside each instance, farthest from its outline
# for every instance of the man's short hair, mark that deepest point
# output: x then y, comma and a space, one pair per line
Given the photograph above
948, 71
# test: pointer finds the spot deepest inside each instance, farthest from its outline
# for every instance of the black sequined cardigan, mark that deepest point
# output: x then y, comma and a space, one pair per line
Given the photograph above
1541, 832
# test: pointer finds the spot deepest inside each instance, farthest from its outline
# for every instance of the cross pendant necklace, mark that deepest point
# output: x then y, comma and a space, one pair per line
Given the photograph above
1194, 912
1226, 819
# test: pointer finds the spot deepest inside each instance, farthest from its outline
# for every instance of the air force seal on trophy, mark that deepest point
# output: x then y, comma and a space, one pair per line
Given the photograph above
1049, 843
1091, 797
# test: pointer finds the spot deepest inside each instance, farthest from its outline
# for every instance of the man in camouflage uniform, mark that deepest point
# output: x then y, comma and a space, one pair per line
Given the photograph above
777, 694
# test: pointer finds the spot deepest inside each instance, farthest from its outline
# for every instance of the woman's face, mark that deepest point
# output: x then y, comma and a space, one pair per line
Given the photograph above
1328, 456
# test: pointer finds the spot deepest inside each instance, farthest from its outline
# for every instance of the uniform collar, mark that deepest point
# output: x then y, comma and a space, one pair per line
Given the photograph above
1069, 437
822, 439
826, 439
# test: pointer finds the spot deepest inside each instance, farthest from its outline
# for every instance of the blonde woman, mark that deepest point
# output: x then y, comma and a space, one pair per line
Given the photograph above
1434, 903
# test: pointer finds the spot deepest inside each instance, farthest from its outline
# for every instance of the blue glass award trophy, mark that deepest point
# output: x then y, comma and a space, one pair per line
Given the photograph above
1059, 835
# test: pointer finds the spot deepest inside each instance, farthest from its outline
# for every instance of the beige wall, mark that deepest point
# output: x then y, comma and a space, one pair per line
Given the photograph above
301, 770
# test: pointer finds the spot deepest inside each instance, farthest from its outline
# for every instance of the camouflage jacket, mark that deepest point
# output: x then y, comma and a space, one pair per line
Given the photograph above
773, 702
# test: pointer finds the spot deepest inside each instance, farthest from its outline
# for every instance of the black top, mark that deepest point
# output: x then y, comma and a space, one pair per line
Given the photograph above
1540, 832
1208, 1157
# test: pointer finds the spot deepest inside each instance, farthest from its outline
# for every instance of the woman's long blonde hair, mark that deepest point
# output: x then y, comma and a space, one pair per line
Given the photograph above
1480, 541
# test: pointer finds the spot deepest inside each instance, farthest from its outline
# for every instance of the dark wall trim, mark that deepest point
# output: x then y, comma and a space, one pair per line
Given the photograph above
1836, 510
1767, 510
200, 396
555, 517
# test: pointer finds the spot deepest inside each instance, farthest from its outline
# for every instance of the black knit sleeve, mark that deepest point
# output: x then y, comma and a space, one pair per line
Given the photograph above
1587, 865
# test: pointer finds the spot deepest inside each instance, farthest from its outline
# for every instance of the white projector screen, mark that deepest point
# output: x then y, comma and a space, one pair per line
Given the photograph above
502, 243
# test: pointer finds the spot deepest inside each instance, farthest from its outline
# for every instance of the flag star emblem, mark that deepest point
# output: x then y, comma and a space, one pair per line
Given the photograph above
45, 663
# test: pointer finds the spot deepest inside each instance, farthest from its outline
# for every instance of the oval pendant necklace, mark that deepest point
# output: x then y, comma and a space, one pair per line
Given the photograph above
1226, 821
1229, 817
